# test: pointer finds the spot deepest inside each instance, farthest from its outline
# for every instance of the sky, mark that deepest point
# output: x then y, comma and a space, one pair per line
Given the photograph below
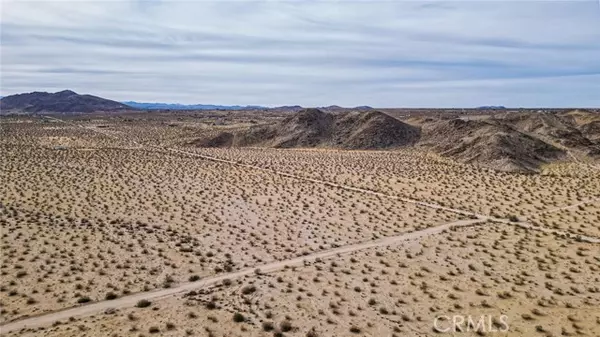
310, 53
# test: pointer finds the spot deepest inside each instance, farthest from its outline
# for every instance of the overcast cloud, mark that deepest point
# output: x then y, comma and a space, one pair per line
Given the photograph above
312, 53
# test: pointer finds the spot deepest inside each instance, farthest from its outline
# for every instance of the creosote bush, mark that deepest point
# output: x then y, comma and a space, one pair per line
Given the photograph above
143, 303
238, 317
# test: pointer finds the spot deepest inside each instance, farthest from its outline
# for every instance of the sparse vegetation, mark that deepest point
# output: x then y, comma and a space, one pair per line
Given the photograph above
238, 317
143, 304
79, 227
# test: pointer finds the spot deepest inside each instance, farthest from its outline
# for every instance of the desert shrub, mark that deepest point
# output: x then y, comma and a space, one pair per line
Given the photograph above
268, 326
238, 317
143, 303
312, 333
249, 289
285, 326
194, 278
110, 296
84, 299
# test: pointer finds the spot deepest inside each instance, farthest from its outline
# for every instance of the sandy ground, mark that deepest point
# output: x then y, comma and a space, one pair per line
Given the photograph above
79, 225
130, 301
91, 212
393, 290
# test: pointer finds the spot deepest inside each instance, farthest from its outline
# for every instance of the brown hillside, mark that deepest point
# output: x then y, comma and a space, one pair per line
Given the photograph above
488, 144
315, 128
550, 127
591, 130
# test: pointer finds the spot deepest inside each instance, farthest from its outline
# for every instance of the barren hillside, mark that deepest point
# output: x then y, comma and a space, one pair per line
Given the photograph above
520, 143
489, 144
551, 127
315, 128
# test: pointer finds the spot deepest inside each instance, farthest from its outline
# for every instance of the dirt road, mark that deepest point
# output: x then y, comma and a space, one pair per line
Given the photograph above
130, 301
522, 224
585, 202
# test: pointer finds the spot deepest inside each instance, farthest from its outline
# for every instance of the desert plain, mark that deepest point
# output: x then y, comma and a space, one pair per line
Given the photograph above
128, 225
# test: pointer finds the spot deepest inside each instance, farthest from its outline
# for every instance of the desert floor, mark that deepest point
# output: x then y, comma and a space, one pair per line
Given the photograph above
98, 208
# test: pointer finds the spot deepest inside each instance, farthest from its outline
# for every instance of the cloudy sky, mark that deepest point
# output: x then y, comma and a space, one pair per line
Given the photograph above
312, 53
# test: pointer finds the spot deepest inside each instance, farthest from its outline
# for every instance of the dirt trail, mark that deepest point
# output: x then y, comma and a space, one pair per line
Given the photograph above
130, 301
585, 202
522, 224
285, 174
407, 200
323, 182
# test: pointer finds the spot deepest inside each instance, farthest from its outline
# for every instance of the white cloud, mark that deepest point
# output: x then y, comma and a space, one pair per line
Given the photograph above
312, 53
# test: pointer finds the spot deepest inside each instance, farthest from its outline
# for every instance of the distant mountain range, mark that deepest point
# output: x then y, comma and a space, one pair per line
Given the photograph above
492, 107
176, 106
65, 101
68, 101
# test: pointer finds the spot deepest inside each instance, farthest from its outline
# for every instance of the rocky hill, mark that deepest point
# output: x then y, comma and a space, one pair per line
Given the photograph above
315, 128
520, 142
591, 130
488, 144
573, 131
65, 101
549, 126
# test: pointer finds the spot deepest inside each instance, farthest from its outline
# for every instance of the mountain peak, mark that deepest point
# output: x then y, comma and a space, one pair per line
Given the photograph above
66, 101
66, 91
